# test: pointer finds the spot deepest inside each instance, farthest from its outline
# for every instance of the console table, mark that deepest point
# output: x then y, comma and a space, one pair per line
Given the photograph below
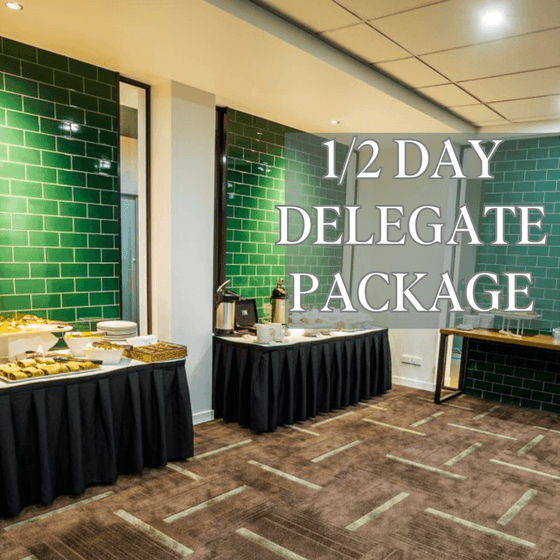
262, 386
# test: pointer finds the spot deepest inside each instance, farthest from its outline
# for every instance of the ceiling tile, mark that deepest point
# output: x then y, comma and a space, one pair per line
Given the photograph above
529, 109
508, 56
456, 23
479, 114
317, 15
371, 9
516, 86
365, 42
448, 95
413, 72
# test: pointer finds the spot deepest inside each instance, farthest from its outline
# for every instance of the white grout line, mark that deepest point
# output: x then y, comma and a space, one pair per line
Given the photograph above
154, 533
336, 451
480, 431
526, 469
548, 430
517, 507
463, 454
269, 545
287, 476
426, 467
304, 431
206, 504
394, 427
444, 403
526, 448
331, 419
186, 472
372, 406
481, 528
490, 410
219, 450
427, 419
57, 511
377, 512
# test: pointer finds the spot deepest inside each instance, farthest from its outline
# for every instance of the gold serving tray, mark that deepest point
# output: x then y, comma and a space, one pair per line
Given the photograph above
159, 352
52, 376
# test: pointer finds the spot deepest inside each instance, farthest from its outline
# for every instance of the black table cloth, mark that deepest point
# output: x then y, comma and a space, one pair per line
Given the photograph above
262, 387
58, 437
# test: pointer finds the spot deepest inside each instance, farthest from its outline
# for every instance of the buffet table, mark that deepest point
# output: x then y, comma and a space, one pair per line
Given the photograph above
263, 386
59, 436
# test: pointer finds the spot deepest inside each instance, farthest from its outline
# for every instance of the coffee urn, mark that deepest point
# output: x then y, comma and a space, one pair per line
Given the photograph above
279, 300
225, 310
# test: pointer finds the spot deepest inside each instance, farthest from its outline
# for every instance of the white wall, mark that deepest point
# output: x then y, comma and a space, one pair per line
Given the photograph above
183, 128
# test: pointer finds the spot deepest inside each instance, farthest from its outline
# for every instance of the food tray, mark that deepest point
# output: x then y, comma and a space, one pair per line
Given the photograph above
159, 352
53, 376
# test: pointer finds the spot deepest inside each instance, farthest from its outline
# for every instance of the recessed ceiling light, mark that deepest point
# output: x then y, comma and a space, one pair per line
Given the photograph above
494, 17
335, 122
14, 6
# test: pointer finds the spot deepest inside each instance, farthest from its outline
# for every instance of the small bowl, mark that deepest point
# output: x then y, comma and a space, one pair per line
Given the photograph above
110, 357
77, 344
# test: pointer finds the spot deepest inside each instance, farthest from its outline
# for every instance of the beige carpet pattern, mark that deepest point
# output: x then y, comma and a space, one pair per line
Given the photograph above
394, 478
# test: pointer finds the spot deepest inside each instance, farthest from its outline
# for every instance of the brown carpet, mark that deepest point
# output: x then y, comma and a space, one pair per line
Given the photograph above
396, 478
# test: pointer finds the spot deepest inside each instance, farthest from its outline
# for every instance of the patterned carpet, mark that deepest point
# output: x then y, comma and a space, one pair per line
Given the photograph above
396, 478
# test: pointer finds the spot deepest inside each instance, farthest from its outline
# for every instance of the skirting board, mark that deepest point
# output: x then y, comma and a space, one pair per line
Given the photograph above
204, 416
417, 384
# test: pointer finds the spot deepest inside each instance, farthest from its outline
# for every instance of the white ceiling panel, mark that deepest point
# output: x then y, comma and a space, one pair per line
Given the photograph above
529, 109
317, 15
508, 56
448, 95
365, 42
371, 9
413, 72
479, 114
458, 23
516, 86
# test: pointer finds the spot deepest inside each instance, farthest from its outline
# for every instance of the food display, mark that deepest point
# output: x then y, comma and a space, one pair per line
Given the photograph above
77, 341
22, 370
25, 323
84, 334
156, 352
108, 352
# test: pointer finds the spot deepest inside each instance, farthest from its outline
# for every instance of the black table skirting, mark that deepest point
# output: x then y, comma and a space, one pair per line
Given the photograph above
263, 387
61, 436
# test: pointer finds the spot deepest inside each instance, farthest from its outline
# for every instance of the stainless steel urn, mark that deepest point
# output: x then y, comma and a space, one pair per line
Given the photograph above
225, 310
279, 301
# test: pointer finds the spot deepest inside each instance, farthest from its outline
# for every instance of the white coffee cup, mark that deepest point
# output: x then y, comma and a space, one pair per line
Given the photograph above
265, 333
278, 331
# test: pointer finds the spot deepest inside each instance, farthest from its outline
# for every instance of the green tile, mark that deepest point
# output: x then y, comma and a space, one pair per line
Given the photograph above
110, 255
88, 284
111, 312
19, 50
101, 270
10, 65
87, 134
100, 211
45, 207
62, 315
110, 197
21, 86
87, 226
58, 224
54, 159
72, 209
30, 286
22, 121
87, 165
99, 151
10, 101
86, 195
23, 221
102, 241
13, 203
3, 152
40, 141
75, 300
24, 188
88, 255
108, 107
71, 146
15, 303
53, 93
25, 155
110, 226
6, 287
45, 270
99, 182
83, 101
68, 81
14, 271
46, 301
4, 186
75, 270
97, 89
60, 255
6, 254
106, 137
2, 117
5, 221
54, 127
72, 114
88, 312
37, 72
110, 284
42, 174
60, 286
52, 60
98, 120
12, 170
73, 240
13, 238
102, 298
82, 69
28, 254
11, 136
107, 76
38, 107
71, 178
44, 238
56, 192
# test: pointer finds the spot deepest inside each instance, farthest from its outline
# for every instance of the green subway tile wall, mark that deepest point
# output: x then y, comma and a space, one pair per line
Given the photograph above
271, 164
59, 186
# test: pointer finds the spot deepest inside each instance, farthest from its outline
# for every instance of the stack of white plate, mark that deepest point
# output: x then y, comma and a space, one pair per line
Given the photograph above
118, 331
